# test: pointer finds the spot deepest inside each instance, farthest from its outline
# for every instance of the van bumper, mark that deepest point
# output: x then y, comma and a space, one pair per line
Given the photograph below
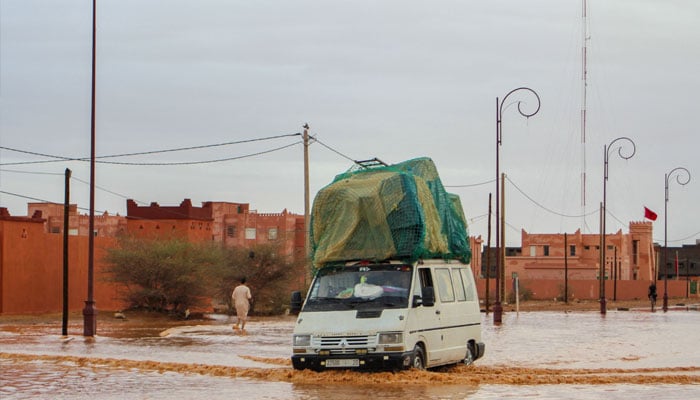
375, 361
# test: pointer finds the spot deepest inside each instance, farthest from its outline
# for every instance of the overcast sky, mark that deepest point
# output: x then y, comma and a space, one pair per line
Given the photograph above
389, 79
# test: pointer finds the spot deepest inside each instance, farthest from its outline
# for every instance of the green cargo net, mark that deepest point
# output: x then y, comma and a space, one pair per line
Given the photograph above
400, 211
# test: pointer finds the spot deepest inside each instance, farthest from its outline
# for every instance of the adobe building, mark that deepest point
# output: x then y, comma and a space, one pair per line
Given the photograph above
628, 256
31, 248
232, 224
184, 221
31, 268
681, 262
78, 225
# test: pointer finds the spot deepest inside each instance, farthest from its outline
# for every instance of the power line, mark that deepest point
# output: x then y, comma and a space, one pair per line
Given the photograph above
27, 197
14, 171
175, 213
202, 146
201, 162
333, 150
472, 184
63, 158
545, 208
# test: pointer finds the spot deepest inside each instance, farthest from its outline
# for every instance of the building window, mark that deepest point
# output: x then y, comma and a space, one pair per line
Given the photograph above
55, 229
586, 247
635, 252
231, 231
546, 249
272, 234
250, 233
533, 251
572, 250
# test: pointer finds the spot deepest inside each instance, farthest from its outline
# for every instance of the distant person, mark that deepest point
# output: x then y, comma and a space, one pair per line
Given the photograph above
652, 295
241, 297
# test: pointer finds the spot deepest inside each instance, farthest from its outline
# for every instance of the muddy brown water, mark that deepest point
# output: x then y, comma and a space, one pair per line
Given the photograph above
532, 354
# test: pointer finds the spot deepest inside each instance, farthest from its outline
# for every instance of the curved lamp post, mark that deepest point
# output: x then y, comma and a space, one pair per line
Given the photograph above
603, 245
497, 308
681, 172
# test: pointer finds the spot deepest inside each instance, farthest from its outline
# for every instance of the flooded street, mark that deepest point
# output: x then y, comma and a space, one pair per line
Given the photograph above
549, 355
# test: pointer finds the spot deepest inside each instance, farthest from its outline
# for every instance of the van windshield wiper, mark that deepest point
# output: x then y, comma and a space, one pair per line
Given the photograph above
361, 301
328, 299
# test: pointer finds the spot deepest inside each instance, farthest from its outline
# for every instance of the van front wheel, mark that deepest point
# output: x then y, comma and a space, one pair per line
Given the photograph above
418, 358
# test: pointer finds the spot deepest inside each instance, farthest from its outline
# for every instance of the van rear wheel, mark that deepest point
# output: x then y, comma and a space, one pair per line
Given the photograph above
418, 358
469, 357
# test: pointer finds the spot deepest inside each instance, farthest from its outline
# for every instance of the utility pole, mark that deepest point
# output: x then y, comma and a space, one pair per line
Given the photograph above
601, 267
307, 227
502, 269
66, 209
614, 265
488, 258
90, 311
566, 269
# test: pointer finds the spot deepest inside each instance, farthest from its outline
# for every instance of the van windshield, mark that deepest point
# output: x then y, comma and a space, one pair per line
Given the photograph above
360, 287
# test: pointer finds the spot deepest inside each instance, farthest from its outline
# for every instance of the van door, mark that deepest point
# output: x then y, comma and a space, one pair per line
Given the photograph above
451, 302
426, 322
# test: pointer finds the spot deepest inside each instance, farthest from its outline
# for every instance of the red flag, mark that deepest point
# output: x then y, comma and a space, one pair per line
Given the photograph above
649, 214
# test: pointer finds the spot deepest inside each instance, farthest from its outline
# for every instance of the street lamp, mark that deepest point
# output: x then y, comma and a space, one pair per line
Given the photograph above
497, 308
606, 151
681, 172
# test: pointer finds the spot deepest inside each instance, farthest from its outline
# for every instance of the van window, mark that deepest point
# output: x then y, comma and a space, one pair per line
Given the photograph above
468, 287
425, 280
459, 285
444, 283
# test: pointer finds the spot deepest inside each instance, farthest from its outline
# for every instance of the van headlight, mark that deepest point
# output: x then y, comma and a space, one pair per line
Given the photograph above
301, 340
390, 338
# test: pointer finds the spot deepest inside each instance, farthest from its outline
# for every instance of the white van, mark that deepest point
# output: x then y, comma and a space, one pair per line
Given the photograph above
389, 316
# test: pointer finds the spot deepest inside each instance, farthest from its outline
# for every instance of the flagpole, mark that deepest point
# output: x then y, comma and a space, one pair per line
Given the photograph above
676, 264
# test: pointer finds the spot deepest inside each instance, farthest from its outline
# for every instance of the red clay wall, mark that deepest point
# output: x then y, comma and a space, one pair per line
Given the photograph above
31, 281
548, 289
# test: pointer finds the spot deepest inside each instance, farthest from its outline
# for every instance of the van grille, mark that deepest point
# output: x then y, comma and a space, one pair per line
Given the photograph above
343, 344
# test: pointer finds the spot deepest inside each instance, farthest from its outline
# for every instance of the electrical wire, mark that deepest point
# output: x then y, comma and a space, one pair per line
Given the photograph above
200, 162
545, 208
63, 158
14, 171
333, 150
471, 185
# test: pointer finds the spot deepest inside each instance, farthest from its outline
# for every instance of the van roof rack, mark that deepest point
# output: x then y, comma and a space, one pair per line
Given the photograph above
371, 163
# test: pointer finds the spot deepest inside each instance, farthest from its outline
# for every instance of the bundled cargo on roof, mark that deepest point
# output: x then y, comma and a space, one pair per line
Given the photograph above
401, 211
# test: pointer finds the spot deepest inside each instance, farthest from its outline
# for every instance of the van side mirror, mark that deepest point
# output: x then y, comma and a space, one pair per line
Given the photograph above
295, 303
428, 296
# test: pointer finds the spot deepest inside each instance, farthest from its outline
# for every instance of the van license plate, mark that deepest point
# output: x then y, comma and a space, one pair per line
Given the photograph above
342, 363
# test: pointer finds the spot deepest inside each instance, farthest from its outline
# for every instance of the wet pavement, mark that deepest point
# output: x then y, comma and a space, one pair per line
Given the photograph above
549, 355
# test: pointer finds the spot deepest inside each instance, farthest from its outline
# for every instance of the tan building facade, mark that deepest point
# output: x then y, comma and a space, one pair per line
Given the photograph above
106, 225
629, 256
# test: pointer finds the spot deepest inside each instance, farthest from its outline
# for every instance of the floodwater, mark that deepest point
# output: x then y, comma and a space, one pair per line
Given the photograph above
547, 355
